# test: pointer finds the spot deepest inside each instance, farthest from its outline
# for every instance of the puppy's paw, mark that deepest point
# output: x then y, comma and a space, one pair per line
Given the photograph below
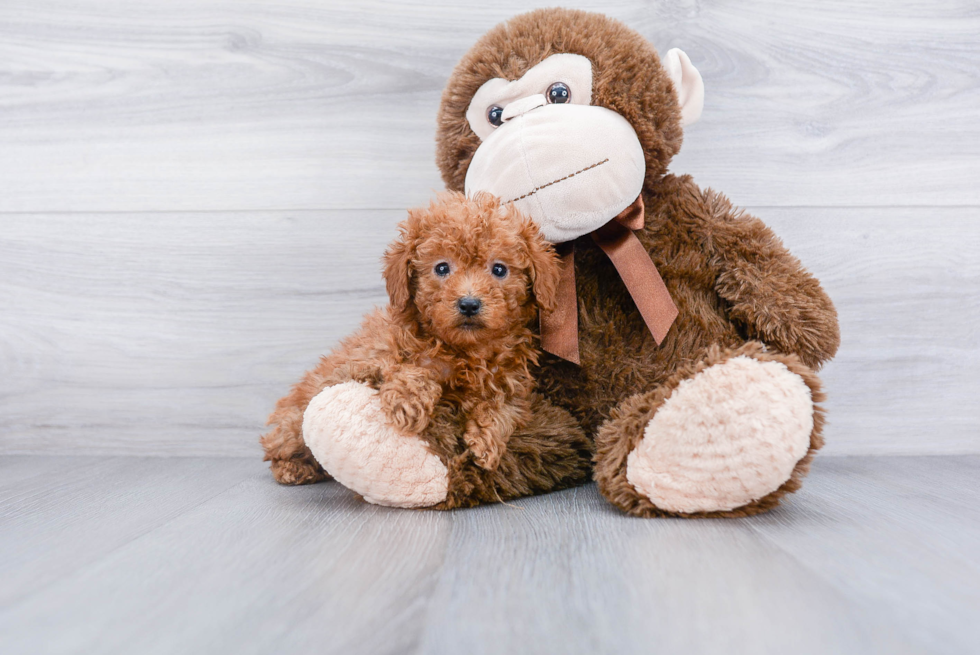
488, 460
297, 471
408, 397
410, 414
486, 448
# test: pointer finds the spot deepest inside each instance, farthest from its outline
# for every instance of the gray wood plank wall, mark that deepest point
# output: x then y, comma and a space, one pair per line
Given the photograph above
194, 196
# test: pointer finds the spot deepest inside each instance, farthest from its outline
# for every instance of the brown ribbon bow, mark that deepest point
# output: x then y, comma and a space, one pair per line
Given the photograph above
559, 328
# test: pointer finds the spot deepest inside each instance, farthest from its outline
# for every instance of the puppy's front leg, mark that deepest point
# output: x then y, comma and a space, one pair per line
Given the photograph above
408, 396
488, 428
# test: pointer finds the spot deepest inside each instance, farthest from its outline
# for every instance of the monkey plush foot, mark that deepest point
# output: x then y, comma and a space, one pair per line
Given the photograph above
345, 428
727, 438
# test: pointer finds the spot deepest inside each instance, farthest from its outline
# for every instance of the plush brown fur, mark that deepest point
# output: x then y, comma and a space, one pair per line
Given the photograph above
548, 453
623, 431
443, 375
732, 281
736, 287
626, 77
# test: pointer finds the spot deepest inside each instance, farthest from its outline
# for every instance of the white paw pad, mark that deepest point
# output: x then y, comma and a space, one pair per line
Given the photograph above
727, 436
345, 429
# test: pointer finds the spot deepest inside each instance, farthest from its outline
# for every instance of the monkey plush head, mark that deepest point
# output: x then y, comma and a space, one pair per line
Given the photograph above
570, 114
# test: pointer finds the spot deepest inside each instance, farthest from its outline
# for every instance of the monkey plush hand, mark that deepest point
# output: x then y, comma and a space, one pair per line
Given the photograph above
686, 338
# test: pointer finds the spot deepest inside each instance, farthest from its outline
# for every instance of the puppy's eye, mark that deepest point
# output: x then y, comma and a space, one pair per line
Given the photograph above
495, 115
441, 269
559, 93
499, 270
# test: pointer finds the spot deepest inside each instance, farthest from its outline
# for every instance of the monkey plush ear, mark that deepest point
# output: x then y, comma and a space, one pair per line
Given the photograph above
687, 83
398, 264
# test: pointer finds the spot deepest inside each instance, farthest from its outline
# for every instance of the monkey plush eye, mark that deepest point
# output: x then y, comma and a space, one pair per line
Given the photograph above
441, 269
495, 115
559, 93
499, 270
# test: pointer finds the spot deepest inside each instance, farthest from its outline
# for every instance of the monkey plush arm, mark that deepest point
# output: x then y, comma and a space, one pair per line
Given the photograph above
770, 294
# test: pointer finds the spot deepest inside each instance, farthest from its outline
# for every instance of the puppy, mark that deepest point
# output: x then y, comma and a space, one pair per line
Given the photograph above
465, 280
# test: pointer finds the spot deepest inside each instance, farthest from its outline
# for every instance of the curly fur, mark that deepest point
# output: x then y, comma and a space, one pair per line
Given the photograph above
421, 352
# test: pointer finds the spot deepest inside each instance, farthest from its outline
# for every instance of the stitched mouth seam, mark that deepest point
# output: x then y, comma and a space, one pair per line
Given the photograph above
560, 179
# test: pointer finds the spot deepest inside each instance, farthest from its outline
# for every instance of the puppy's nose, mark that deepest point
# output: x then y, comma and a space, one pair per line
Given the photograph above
469, 306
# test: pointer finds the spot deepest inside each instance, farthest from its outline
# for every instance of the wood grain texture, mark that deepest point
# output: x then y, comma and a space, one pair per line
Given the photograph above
61, 514
198, 105
257, 569
924, 522
174, 334
875, 555
906, 283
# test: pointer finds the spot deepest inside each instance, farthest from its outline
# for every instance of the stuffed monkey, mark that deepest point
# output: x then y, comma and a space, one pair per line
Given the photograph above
687, 338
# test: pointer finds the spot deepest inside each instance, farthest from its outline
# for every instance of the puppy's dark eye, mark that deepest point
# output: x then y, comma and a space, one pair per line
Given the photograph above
499, 270
495, 115
559, 93
441, 269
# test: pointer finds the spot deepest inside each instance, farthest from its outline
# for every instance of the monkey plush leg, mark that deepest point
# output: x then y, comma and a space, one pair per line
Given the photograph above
292, 461
727, 436
548, 452
345, 429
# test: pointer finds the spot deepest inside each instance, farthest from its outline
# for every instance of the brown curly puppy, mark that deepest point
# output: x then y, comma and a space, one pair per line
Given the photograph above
465, 281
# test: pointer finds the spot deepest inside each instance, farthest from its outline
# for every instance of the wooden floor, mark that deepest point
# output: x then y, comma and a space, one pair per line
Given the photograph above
168, 555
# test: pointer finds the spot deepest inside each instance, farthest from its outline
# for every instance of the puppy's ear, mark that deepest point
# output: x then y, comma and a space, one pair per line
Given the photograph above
398, 262
545, 269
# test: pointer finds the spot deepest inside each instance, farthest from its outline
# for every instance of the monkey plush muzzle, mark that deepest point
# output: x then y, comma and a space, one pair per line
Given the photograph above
571, 167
